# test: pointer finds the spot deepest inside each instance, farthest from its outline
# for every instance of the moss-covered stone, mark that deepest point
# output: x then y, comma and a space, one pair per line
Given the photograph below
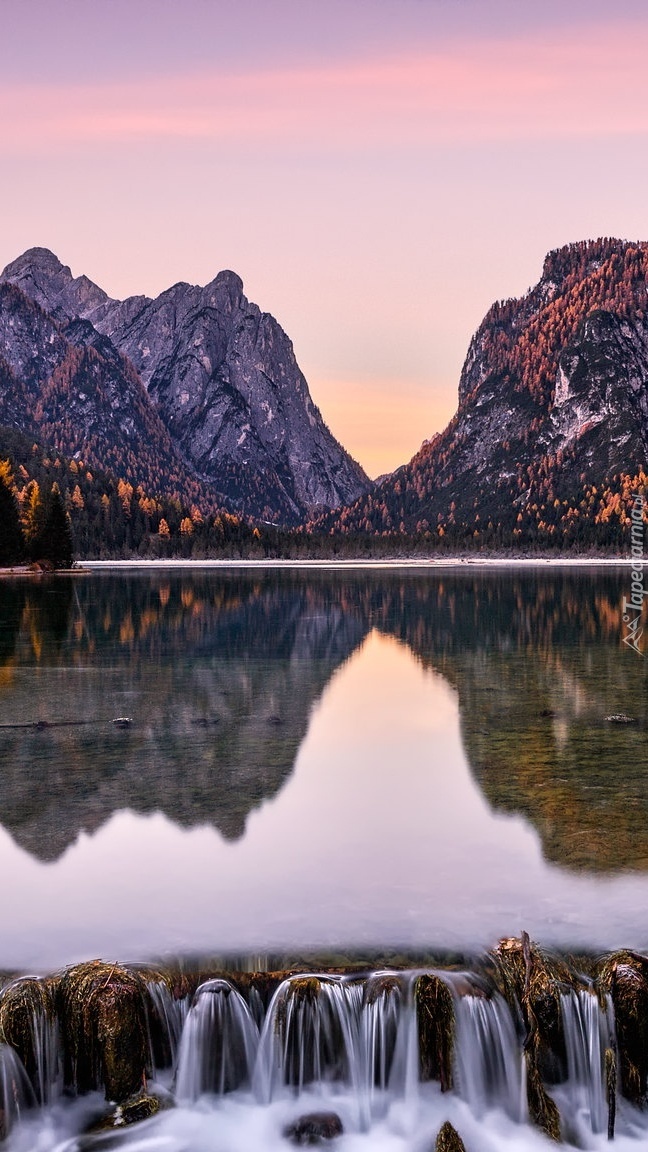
436, 1029
132, 1111
624, 976
449, 1139
533, 981
384, 984
543, 1110
103, 1017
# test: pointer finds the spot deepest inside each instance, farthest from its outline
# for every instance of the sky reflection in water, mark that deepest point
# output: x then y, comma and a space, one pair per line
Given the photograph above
372, 761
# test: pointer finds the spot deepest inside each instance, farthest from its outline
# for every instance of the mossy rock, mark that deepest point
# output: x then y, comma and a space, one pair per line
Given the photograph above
384, 984
305, 989
103, 1017
449, 1140
532, 981
543, 1110
436, 1029
132, 1111
624, 976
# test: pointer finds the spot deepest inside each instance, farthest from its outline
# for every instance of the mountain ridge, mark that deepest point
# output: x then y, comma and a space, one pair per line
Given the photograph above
553, 407
222, 376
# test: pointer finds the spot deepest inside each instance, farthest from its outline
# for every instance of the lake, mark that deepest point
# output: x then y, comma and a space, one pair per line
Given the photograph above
376, 761
272, 768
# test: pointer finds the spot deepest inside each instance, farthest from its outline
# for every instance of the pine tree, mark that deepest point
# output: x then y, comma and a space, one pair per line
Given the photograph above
54, 540
11, 538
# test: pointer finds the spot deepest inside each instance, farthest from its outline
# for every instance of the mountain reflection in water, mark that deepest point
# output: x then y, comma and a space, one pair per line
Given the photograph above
220, 673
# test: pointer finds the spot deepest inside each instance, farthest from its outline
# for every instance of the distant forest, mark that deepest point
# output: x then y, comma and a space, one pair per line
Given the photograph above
57, 509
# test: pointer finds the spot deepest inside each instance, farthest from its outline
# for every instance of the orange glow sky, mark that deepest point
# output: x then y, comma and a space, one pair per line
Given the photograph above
377, 171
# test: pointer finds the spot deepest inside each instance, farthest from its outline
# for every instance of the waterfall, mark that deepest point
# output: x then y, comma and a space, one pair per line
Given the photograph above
171, 1014
488, 1067
322, 1030
219, 1043
309, 1034
31, 1013
345, 1044
16, 1094
45, 1038
589, 1031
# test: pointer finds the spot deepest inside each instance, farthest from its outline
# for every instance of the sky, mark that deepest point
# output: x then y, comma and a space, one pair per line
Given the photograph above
377, 171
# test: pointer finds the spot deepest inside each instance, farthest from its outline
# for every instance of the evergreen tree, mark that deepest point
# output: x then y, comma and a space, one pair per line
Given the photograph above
54, 540
11, 539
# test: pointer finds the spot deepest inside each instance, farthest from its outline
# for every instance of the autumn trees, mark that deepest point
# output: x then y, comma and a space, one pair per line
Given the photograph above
42, 533
11, 540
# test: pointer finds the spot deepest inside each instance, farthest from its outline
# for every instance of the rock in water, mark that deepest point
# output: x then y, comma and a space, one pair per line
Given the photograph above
449, 1140
436, 1029
314, 1128
104, 1026
624, 976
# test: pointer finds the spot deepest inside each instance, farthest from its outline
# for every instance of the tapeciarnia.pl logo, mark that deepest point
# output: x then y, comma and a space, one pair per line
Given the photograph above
633, 608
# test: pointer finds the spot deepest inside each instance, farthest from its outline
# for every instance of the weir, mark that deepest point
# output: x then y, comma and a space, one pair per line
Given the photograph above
522, 1029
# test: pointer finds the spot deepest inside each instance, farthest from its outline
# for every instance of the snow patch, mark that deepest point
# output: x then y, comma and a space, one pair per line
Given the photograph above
562, 388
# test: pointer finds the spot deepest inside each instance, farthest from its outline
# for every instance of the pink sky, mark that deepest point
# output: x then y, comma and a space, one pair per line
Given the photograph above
377, 171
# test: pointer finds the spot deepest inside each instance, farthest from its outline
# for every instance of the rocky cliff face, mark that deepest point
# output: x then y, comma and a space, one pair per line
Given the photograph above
69, 387
553, 404
222, 376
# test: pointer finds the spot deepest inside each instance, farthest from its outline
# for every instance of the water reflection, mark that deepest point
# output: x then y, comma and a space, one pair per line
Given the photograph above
220, 673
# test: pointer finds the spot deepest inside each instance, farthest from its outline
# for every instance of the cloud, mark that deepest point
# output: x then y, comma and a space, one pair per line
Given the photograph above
593, 83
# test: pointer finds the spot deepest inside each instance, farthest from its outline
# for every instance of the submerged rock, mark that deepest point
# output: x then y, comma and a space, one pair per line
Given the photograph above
104, 1025
449, 1140
314, 1128
137, 1108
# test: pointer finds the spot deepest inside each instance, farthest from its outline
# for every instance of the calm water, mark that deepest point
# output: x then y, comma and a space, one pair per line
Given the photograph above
318, 760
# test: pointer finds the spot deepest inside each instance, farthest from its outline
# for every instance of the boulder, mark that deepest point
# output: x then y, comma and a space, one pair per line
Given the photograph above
103, 1015
449, 1140
314, 1128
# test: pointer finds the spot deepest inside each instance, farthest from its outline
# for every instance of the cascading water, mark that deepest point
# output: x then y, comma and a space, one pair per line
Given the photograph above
171, 1013
326, 1030
308, 1035
219, 1043
589, 1032
349, 1045
16, 1094
489, 1067
36, 1021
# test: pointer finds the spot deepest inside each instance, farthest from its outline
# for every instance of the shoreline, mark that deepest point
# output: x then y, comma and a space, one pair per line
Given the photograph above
348, 564
86, 567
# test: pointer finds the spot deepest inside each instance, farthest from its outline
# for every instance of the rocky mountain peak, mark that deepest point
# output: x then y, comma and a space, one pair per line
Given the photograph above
553, 411
223, 377
44, 278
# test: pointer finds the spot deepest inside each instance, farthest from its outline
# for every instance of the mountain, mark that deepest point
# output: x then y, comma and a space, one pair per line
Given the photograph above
552, 422
69, 387
221, 376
